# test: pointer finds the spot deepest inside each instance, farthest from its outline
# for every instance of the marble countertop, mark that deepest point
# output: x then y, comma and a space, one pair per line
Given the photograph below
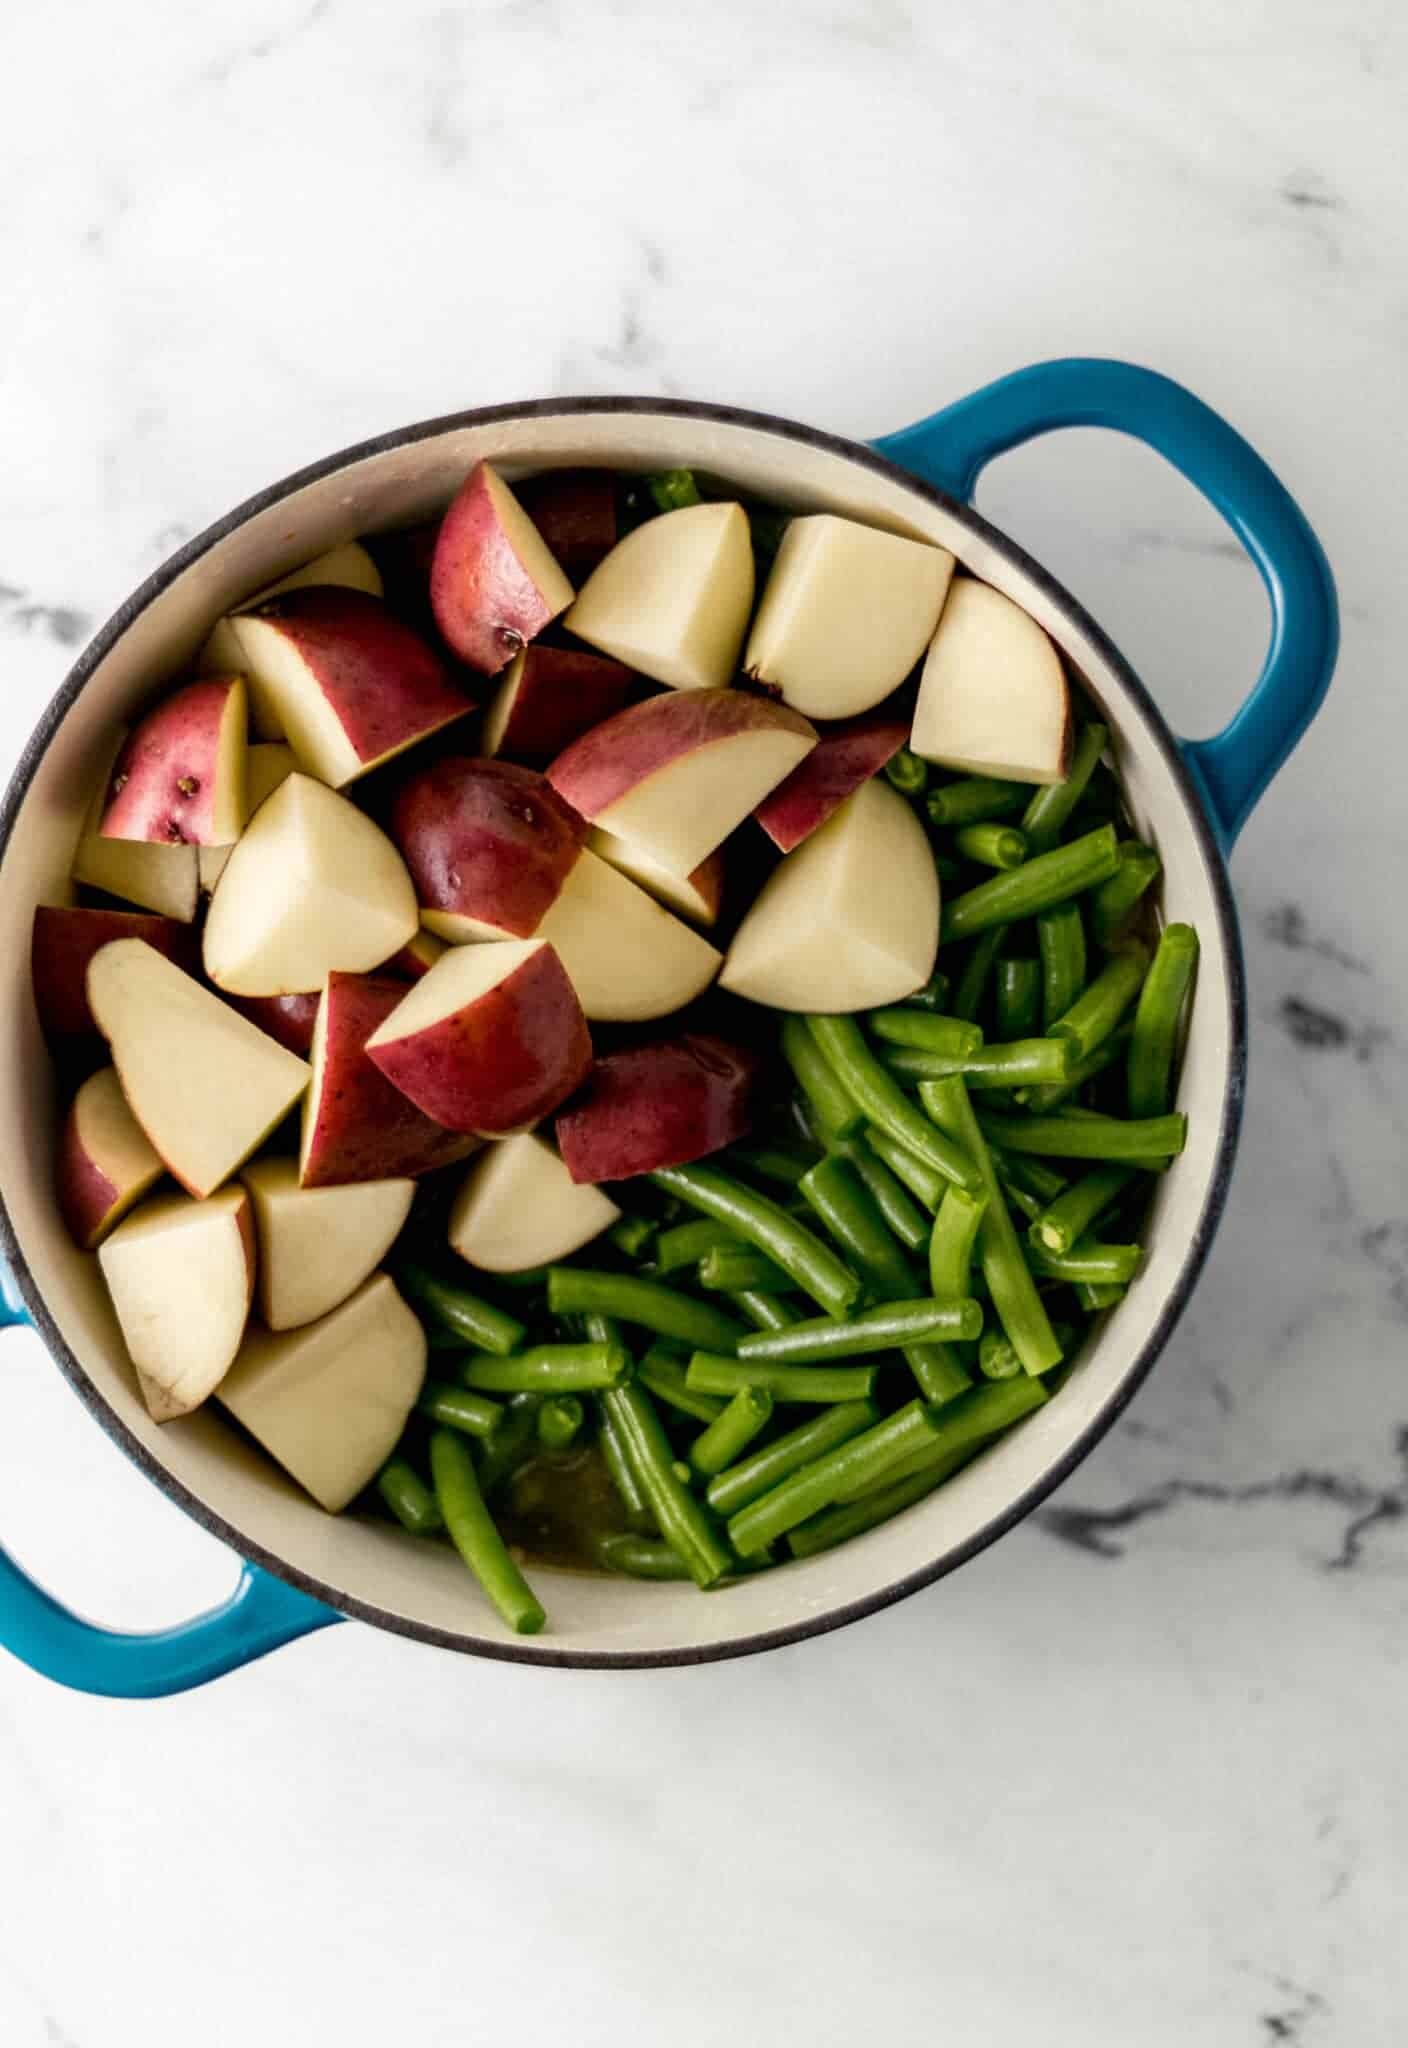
1135, 1775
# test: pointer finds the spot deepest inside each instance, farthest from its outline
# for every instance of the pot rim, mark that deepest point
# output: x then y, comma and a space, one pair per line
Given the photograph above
1209, 846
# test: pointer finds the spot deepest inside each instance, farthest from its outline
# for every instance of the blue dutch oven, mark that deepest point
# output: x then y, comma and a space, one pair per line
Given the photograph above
304, 1569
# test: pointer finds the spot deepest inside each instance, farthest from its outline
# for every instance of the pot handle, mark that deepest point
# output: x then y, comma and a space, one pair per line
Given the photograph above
951, 448
259, 1615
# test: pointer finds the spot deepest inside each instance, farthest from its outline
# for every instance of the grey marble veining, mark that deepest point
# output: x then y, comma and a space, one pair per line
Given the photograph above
1134, 1775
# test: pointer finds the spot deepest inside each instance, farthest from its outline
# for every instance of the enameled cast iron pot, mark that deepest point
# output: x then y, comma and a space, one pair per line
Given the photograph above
304, 1569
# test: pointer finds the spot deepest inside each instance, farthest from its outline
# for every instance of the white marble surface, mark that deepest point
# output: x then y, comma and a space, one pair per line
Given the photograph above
1136, 1775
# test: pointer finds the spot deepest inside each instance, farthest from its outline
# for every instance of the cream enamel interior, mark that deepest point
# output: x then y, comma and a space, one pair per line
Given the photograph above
362, 1564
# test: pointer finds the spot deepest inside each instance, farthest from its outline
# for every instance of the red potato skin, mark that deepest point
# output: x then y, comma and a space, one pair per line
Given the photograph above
562, 693
364, 1129
354, 644
638, 742
487, 839
65, 939
86, 1195
575, 512
846, 755
485, 603
657, 1105
504, 1061
289, 1019
163, 781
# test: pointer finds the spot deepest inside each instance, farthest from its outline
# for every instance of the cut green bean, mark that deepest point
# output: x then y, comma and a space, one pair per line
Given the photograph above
997, 1356
939, 1372
763, 1469
975, 1418
1096, 1012
1095, 1295
974, 799
683, 1521
884, 1102
665, 1376
501, 1455
902, 1217
1132, 1140
640, 1557
1040, 1181
729, 1435
685, 1244
630, 1235
1025, 1063
409, 1498
977, 971
882, 1503
1065, 1220
813, 1265
1113, 903
474, 1536
819, 1341
1099, 1264
549, 1369
438, 1338
457, 1408
859, 1462
1060, 938
1014, 1292
478, 1322
764, 1311
1041, 1100
927, 1031
952, 1242
839, 1197
915, 1173
907, 773
991, 845
738, 1269
710, 1375
623, 1476
835, 1112
1045, 817
560, 1422
1017, 998
932, 996
1155, 1036
1037, 885
772, 1162
647, 1303
673, 489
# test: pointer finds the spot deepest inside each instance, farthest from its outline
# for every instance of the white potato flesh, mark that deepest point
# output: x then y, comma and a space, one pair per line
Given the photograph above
180, 1276
846, 613
267, 764
695, 895
156, 877
993, 699
317, 1245
672, 599
678, 815
627, 958
348, 567
205, 1084
850, 920
312, 886
519, 1207
329, 1401
460, 977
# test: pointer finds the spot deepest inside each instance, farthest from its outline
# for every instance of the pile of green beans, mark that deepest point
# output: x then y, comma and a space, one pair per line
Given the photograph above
781, 1346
